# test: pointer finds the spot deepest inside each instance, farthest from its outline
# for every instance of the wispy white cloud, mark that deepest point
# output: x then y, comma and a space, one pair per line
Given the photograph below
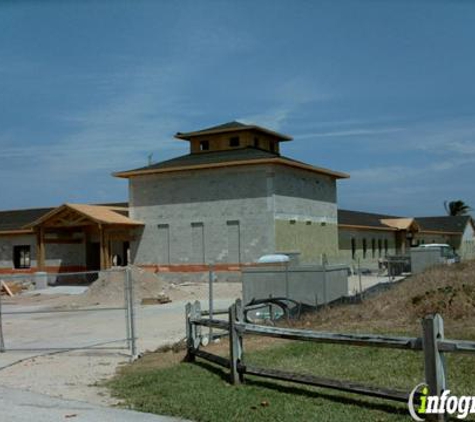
287, 99
350, 133
272, 119
118, 133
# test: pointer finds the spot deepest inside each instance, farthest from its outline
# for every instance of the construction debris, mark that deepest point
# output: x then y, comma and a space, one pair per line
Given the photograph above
159, 300
9, 288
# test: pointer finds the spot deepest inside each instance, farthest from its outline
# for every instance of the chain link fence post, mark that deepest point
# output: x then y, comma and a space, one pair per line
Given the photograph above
359, 278
127, 313
131, 311
2, 341
211, 300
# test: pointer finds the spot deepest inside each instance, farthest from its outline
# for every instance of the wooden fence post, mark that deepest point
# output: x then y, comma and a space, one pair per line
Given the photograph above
190, 357
193, 332
434, 361
235, 342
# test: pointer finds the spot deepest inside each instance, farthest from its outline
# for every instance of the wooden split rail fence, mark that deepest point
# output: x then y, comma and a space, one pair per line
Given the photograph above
432, 344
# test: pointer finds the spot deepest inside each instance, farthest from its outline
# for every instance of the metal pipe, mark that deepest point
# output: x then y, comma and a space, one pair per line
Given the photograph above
359, 277
126, 308
53, 311
210, 299
29, 275
132, 313
2, 342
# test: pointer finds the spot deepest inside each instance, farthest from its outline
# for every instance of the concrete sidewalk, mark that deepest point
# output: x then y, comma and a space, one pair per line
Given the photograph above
74, 375
24, 406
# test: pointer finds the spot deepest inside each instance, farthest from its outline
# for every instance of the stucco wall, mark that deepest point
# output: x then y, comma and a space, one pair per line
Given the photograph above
227, 211
371, 261
305, 214
310, 239
427, 238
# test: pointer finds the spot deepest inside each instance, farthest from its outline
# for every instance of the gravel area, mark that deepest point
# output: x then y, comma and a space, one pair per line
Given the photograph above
77, 374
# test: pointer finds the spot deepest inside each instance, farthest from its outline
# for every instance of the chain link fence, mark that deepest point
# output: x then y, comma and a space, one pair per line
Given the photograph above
50, 315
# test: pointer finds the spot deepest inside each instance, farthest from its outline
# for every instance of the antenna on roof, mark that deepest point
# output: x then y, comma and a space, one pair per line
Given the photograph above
150, 158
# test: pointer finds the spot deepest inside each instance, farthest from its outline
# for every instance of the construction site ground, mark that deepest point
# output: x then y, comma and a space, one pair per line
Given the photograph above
77, 375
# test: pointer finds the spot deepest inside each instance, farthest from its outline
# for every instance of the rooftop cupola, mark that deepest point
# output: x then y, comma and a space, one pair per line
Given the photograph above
231, 136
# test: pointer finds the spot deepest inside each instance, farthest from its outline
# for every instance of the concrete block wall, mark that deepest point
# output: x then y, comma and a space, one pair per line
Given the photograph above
233, 215
57, 255
209, 215
6, 248
422, 259
310, 284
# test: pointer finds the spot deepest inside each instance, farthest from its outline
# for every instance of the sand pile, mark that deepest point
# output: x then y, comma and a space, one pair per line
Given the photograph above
108, 289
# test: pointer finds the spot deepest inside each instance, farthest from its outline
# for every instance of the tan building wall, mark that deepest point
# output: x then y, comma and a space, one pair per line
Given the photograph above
427, 238
220, 142
311, 239
376, 238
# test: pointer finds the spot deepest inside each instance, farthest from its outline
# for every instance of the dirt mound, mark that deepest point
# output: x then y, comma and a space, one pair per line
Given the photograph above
448, 290
108, 289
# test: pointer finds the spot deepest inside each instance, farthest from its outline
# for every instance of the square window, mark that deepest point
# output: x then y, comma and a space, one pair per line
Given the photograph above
21, 256
234, 141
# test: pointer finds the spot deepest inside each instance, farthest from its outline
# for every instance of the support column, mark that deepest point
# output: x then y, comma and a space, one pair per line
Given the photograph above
108, 250
403, 242
102, 247
40, 249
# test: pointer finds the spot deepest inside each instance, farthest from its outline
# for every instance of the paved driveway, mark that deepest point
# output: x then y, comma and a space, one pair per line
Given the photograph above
74, 375
23, 406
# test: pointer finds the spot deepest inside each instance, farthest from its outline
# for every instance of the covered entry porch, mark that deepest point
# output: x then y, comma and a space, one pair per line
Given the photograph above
91, 237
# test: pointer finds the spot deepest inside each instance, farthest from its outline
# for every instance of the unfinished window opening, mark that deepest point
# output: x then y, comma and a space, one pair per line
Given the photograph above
365, 248
386, 246
198, 243
204, 145
256, 142
234, 141
373, 248
234, 241
353, 248
22, 256
380, 247
163, 244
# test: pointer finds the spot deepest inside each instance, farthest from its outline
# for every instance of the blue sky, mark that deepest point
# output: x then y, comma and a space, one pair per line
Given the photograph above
383, 90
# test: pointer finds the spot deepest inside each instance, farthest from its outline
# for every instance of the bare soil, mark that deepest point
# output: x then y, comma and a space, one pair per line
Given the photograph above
108, 290
448, 290
78, 374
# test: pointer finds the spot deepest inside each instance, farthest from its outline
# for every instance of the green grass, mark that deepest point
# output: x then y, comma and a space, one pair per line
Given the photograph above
201, 392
